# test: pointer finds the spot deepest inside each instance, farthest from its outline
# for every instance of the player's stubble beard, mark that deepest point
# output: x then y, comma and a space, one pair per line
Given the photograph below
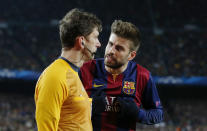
116, 63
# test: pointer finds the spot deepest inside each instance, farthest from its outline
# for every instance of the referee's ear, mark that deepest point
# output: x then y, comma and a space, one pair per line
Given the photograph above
78, 43
132, 55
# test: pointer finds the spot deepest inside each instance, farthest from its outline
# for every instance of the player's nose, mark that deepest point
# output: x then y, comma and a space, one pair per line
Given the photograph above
111, 50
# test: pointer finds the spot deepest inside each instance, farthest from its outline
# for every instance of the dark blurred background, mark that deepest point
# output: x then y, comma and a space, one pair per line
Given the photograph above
174, 49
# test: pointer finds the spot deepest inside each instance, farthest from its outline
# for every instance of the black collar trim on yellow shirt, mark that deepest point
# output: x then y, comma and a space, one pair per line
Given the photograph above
71, 64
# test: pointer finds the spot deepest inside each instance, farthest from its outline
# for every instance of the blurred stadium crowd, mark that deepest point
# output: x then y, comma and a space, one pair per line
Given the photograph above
16, 113
174, 42
174, 33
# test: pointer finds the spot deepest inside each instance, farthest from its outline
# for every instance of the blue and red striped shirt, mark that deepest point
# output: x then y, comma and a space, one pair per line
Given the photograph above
135, 82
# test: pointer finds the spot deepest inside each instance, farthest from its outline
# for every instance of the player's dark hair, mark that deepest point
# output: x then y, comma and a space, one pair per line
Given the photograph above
128, 31
77, 23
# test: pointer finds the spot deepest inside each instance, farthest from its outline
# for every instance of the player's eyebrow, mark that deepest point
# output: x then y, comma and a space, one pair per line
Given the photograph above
118, 47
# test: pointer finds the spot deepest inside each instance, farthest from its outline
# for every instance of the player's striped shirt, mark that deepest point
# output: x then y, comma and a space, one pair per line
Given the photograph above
135, 83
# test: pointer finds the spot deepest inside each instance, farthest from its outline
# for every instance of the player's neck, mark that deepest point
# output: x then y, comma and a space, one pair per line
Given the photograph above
74, 56
117, 70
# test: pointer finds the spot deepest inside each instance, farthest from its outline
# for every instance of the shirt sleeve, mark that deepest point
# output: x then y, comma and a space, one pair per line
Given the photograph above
49, 97
152, 110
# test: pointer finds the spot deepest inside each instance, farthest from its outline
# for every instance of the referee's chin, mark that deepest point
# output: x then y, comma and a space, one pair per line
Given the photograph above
88, 58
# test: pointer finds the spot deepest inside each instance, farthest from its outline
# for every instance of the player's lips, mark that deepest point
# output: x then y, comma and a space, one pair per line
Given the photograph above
109, 58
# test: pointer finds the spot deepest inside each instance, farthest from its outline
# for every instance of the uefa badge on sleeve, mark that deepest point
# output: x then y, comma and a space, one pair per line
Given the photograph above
128, 87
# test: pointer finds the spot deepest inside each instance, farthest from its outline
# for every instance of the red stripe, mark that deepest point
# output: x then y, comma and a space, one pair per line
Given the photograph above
114, 87
142, 78
87, 71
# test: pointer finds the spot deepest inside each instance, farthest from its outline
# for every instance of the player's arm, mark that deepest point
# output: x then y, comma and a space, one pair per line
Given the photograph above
152, 111
49, 100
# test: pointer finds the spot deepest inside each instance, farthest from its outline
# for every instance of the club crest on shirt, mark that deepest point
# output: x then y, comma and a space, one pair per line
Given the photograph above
128, 87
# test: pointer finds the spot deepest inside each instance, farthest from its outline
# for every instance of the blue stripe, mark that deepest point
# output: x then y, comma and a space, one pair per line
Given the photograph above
100, 75
130, 75
100, 78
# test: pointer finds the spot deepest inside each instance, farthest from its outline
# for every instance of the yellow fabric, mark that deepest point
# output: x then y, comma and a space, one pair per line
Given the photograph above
61, 101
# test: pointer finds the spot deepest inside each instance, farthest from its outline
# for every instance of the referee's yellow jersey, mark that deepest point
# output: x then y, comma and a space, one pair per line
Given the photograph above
61, 101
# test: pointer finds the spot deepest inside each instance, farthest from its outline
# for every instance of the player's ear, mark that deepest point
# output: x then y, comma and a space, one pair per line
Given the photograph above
132, 55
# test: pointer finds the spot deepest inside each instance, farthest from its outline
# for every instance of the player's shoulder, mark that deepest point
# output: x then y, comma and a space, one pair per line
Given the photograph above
92, 63
142, 71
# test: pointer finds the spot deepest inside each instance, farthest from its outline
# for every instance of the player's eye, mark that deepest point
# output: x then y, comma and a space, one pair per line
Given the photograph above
119, 48
110, 43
